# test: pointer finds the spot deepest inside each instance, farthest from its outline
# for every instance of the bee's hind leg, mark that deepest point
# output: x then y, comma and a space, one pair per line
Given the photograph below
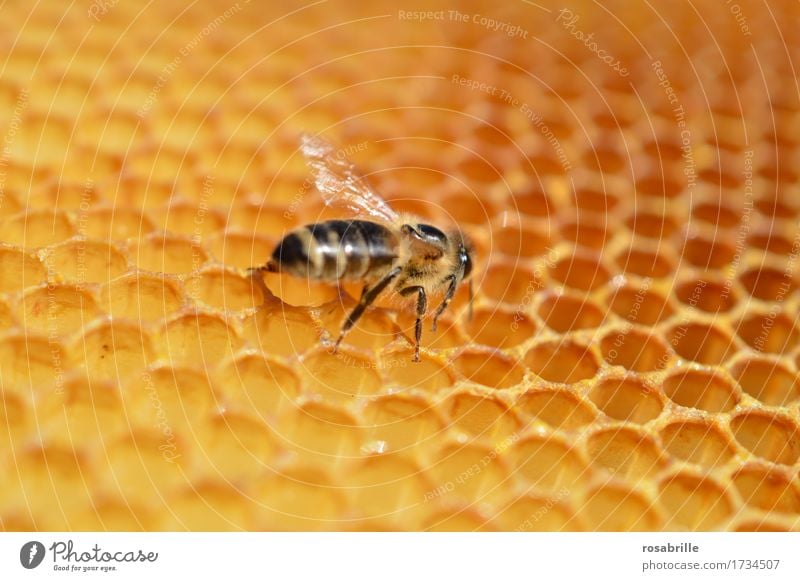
368, 296
422, 306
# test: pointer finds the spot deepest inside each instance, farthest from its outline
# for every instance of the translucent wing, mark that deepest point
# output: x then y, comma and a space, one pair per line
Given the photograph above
339, 182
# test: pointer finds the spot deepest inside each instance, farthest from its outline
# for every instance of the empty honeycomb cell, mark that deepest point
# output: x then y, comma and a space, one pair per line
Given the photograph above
772, 242
768, 489
613, 507
704, 344
490, 368
548, 464
652, 225
635, 350
521, 240
87, 261
638, 304
700, 389
223, 289
471, 473
500, 328
625, 452
694, 502
533, 201
585, 231
566, 312
116, 223
375, 328
583, 272
396, 422
342, 376
539, 513
429, 374
281, 330
560, 408
296, 500
698, 441
627, 399
257, 385
591, 200
468, 208
58, 310
707, 295
767, 436
768, 284
772, 332
562, 361
32, 362
168, 254
188, 219
486, 417
321, 432
113, 350
198, 339
299, 292
769, 381
645, 263
235, 447
37, 228
142, 297
19, 270
708, 253
658, 187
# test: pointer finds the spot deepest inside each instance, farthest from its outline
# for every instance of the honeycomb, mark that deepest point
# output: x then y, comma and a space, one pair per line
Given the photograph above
629, 177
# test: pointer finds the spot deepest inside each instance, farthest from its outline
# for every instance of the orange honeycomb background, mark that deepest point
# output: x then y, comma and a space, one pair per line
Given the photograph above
629, 175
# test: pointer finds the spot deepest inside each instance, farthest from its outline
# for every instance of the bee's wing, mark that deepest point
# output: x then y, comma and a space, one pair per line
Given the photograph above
339, 182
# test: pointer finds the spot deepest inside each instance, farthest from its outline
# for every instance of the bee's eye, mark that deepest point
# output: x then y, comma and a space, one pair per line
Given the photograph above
432, 233
467, 261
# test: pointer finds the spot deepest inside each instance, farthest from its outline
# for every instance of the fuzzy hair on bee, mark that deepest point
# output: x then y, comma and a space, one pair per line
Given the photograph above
392, 254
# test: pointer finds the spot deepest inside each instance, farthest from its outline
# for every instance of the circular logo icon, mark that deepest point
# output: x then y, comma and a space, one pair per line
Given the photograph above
31, 554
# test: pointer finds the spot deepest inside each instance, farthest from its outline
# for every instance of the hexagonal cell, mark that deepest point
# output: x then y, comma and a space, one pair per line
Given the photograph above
635, 350
500, 328
198, 339
547, 463
142, 297
700, 389
82, 261
658, 186
321, 432
694, 502
773, 331
707, 295
223, 289
590, 200
533, 201
769, 381
592, 234
521, 241
113, 350
257, 385
771, 242
645, 263
58, 309
558, 407
625, 452
698, 441
613, 507
708, 253
489, 368
168, 254
626, 399
37, 228
481, 416
768, 284
772, 437
340, 376
281, 330
562, 361
564, 313
507, 283
429, 374
468, 208
584, 272
396, 422
299, 292
19, 270
652, 225
717, 215
768, 489
639, 305
454, 475
705, 344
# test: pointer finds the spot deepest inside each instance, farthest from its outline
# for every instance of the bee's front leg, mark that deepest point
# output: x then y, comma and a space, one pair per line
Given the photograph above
422, 306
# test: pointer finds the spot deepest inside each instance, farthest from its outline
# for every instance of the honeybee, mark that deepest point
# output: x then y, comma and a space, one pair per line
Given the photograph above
388, 252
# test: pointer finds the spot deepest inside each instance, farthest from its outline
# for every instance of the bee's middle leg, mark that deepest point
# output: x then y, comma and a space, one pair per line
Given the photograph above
368, 296
451, 291
422, 306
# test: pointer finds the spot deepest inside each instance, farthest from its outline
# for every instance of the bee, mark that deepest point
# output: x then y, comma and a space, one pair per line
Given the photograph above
388, 252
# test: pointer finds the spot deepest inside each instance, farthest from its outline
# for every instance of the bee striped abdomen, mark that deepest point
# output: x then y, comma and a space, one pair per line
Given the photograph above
337, 250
